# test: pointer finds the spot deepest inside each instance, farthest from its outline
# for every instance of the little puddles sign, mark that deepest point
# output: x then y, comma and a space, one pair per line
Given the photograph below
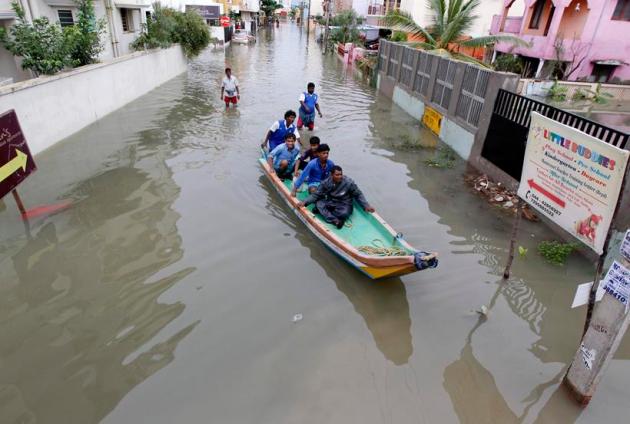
16, 162
572, 178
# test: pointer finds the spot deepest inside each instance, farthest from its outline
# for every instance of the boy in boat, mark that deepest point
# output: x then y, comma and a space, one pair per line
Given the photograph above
316, 171
333, 198
308, 104
282, 158
276, 133
307, 156
229, 89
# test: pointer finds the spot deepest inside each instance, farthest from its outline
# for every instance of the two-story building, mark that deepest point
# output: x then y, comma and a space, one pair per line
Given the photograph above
124, 20
590, 38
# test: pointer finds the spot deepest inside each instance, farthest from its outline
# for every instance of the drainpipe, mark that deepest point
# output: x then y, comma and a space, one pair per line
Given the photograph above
109, 7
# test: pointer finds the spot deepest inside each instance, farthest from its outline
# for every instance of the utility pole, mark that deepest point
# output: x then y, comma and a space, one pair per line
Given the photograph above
308, 19
327, 5
605, 331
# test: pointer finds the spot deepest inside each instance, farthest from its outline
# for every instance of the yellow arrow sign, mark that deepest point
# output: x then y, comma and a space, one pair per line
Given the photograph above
19, 161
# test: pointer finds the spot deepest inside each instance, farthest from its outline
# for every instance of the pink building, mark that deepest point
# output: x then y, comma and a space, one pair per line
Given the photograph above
590, 37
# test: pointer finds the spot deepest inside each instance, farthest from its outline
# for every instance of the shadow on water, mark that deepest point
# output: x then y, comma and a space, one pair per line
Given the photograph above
382, 304
78, 317
477, 399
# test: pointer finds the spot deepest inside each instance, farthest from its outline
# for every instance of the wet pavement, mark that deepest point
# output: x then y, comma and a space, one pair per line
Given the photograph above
166, 292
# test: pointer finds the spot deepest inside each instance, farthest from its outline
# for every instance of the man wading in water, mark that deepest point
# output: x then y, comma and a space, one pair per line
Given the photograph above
229, 89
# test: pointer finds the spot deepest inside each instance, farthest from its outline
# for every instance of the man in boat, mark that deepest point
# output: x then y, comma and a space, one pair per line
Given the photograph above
282, 158
277, 131
334, 197
316, 171
308, 105
229, 89
307, 156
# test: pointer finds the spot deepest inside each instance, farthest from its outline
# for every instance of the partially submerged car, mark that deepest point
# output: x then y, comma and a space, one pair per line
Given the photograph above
242, 36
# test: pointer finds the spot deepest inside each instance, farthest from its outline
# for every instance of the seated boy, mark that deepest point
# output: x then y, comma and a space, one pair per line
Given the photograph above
316, 171
307, 156
282, 158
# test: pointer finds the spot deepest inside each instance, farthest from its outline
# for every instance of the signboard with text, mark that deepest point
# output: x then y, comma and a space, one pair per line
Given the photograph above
572, 178
16, 161
617, 283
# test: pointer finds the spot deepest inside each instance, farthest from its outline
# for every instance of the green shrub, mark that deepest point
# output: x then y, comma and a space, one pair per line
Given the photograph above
558, 92
42, 45
167, 26
556, 252
399, 36
84, 36
508, 63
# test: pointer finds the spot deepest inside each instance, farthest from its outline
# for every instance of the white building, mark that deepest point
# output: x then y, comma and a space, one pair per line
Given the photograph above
124, 24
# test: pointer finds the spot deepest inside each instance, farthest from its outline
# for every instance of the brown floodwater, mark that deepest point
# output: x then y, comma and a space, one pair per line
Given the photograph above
166, 292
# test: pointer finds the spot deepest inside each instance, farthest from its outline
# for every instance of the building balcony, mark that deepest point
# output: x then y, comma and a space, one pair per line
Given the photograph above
512, 25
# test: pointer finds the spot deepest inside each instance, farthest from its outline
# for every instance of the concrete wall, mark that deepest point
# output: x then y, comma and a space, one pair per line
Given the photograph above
465, 136
53, 107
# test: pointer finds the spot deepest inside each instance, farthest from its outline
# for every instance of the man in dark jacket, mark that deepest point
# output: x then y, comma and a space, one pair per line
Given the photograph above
333, 198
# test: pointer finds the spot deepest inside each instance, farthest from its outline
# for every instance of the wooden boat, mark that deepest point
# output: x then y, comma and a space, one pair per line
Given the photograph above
366, 242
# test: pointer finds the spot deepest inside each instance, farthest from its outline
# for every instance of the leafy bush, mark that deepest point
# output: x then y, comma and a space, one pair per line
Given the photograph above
579, 94
42, 45
509, 63
556, 252
346, 31
167, 26
399, 36
84, 36
558, 92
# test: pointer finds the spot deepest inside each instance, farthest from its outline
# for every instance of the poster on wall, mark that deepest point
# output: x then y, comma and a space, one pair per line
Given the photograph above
572, 178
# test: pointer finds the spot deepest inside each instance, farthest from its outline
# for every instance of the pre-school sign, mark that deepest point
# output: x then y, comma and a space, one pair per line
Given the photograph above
572, 178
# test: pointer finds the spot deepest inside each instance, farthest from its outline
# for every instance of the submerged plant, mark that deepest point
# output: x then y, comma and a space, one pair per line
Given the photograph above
444, 158
556, 252
557, 92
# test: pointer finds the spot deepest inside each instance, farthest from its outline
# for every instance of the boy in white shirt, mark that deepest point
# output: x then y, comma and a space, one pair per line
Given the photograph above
229, 89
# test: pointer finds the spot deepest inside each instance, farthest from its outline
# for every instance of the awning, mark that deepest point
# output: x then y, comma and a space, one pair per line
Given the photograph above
132, 4
610, 62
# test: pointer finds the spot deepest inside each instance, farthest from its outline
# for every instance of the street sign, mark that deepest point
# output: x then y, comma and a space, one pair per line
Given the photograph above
225, 21
16, 161
572, 178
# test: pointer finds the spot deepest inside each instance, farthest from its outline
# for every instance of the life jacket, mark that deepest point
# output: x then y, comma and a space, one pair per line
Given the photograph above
310, 100
277, 137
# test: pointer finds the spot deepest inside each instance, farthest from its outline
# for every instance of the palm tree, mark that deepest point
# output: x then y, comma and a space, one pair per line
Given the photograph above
269, 7
451, 20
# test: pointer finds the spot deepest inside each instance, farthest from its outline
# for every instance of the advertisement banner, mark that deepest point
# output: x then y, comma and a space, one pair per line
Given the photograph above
572, 178
16, 161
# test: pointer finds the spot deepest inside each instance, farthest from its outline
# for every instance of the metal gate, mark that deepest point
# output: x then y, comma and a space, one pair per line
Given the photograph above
505, 141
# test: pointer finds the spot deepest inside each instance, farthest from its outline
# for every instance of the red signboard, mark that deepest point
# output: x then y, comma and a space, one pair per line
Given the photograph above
225, 21
16, 161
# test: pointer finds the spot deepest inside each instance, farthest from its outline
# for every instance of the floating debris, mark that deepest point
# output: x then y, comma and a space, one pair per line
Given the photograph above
297, 317
498, 195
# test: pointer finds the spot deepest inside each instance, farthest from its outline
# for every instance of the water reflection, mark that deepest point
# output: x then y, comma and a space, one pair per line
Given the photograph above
80, 307
382, 304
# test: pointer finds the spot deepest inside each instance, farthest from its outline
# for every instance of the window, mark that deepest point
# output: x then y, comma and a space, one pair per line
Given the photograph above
537, 14
65, 18
126, 16
622, 11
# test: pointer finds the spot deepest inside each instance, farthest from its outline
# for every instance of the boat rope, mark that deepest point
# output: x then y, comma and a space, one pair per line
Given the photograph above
378, 248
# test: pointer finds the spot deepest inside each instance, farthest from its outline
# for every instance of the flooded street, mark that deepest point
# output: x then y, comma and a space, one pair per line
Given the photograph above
166, 293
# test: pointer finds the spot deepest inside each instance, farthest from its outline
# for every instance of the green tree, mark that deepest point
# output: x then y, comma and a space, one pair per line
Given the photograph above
452, 19
269, 7
346, 30
191, 32
85, 35
42, 45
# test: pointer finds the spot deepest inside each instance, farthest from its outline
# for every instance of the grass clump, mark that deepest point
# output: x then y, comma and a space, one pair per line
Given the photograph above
556, 252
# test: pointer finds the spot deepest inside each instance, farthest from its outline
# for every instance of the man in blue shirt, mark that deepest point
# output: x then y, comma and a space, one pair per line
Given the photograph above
316, 171
277, 131
282, 158
308, 104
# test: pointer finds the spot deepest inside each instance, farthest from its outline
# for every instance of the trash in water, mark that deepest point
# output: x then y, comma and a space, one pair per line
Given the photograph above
297, 317
483, 310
